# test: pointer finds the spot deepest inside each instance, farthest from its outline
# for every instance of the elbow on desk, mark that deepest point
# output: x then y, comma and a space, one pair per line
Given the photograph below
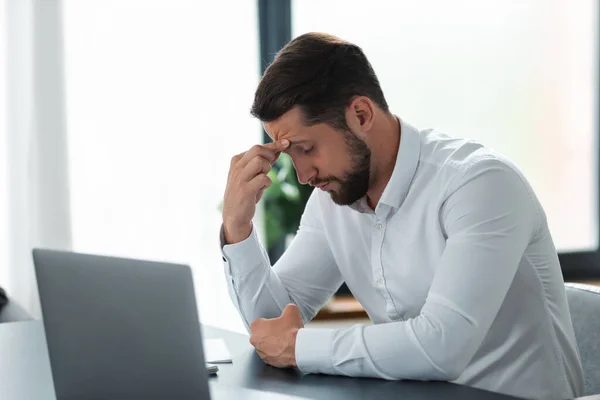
449, 371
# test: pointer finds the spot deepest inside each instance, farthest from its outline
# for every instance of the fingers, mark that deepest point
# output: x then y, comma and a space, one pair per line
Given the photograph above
257, 323
258, 160
269, 152
259, 182
260, 195
291, 310
257, 151
261, 354
278, 146
291, 307
246, 181
258, 165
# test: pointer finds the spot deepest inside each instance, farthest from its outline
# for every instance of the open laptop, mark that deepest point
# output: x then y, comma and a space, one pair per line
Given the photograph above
124, 329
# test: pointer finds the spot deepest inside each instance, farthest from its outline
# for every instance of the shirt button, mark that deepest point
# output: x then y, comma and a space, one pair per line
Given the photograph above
379, 226
379, 281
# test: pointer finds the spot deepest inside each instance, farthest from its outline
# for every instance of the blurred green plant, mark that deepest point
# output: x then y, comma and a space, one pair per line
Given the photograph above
283, 203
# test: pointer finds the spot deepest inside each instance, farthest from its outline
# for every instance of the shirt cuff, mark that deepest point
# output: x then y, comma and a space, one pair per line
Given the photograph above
242, 257
314, 352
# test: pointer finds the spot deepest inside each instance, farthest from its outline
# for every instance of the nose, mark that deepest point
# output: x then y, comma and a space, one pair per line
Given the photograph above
305, 172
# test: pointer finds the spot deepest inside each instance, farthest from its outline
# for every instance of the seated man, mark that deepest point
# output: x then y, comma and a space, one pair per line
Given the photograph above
442, 241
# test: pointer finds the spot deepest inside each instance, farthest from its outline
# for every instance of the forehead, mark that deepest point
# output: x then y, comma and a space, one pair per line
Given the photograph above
287, 126
291, 126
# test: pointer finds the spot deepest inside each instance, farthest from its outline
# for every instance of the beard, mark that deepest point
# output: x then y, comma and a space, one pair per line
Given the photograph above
355, 184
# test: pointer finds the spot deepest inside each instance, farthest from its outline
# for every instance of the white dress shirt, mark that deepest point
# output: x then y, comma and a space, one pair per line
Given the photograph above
456, 268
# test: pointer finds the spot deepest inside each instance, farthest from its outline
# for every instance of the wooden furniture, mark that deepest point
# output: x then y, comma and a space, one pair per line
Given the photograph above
347, 307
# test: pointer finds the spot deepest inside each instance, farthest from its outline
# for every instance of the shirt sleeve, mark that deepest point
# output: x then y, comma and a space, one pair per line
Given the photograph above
490, 217
306, 274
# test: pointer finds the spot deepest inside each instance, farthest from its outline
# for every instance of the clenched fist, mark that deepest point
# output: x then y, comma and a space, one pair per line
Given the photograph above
275, 338
246, 184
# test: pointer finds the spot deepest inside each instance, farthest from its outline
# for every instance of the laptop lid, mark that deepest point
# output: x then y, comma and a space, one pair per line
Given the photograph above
119, 328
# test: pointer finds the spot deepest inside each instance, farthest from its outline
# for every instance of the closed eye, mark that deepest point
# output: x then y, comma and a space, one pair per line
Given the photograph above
309, 150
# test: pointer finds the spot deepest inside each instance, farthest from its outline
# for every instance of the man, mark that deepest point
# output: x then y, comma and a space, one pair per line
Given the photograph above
441, 240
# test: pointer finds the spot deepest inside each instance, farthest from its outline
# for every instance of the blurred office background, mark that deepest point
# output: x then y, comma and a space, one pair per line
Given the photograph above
118, 118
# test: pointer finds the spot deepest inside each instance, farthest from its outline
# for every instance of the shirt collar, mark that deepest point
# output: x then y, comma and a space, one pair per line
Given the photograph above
407, 160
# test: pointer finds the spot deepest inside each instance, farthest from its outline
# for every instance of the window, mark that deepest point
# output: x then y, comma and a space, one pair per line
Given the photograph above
158, 97
3, 148
519, 77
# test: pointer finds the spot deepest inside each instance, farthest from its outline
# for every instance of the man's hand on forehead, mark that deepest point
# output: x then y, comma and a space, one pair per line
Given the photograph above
248, 178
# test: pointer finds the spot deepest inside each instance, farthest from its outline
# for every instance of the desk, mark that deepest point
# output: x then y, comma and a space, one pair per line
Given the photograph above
25, 373
248, 370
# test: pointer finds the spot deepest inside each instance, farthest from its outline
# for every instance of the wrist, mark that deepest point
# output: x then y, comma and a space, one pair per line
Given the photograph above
293, 352
235, 233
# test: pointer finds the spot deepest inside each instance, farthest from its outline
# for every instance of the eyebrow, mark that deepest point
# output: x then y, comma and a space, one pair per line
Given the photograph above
295, 144
298, 142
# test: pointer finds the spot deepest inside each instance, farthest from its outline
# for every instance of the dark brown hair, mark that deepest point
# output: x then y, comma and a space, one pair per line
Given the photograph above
321, 74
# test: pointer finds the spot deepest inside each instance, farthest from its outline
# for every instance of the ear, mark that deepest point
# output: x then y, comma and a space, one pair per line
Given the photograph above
360, 114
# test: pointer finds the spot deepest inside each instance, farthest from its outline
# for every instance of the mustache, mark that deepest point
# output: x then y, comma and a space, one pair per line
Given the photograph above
319, 181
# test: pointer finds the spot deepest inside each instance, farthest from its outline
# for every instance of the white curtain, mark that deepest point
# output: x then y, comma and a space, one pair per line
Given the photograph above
35, 205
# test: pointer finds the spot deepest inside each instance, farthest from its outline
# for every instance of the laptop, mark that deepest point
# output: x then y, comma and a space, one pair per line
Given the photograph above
124, 329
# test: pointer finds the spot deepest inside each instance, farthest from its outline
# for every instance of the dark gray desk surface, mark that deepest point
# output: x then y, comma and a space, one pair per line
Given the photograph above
25, 373
248, 370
